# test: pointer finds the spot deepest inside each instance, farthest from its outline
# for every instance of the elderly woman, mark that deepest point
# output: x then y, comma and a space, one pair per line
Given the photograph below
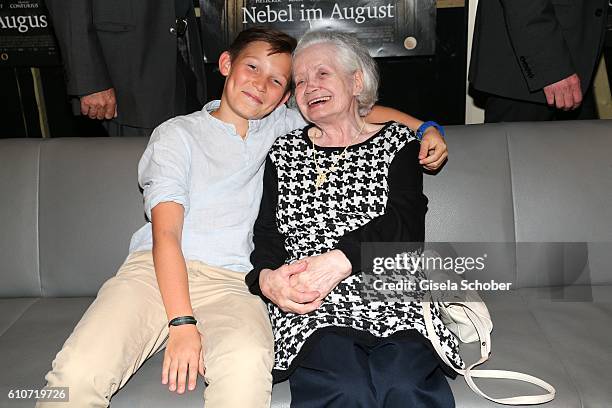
327, 188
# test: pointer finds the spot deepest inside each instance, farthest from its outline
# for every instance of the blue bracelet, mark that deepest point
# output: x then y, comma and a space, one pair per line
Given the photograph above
426, 125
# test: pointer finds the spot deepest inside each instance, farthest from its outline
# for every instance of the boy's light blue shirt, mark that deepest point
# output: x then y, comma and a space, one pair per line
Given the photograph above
201, 163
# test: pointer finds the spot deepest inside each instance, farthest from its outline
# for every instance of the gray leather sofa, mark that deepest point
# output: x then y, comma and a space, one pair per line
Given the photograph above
69, 206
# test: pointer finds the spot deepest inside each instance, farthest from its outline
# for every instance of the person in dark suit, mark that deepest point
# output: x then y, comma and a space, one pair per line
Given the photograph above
536, 58
132, 63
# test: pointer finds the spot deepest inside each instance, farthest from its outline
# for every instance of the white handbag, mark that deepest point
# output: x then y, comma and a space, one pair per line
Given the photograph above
468, 318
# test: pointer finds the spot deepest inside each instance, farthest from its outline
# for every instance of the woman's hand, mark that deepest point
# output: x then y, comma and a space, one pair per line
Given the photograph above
323, 274
183, 358
275, 285
433, 149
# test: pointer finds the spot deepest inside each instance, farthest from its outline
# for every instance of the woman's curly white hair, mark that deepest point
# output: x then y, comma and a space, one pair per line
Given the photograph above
352, 57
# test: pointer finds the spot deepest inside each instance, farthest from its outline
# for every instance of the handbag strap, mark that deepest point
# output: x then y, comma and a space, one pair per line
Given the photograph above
485, 349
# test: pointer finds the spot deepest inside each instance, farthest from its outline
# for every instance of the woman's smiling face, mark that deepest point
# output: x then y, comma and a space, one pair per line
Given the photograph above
323, 89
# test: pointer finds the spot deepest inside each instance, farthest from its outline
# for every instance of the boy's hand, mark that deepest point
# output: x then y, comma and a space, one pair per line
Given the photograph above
183, 358
433, 149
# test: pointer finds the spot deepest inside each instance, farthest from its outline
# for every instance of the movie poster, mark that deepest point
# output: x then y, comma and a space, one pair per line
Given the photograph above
387, 27
26, 37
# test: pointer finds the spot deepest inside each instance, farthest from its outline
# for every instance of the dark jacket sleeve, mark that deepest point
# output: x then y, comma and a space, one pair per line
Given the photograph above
537, 39
269, 251
404, 216
84, 63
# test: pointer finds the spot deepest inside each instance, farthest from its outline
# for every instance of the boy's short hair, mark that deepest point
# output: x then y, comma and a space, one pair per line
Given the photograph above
279, 42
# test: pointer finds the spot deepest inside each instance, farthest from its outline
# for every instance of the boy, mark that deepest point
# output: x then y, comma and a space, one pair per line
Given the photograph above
182, 285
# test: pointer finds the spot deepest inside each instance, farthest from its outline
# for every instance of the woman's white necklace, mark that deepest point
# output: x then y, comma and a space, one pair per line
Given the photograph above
322, 174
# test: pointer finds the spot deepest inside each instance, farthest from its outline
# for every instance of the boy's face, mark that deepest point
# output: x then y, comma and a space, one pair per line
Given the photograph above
256, 83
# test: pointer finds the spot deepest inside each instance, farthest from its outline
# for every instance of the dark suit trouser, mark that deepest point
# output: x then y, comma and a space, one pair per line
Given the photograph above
342, 371
500, 109
116, 129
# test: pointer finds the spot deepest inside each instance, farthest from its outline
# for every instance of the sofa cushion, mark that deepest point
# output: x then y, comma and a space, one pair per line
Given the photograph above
36, 329
562, 190
19, 218
576, 323
11, 310
31, 342
90, 206
519, 343
470, 200
561, 181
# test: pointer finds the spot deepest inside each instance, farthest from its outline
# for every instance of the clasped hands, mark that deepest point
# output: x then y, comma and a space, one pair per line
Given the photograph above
300, 287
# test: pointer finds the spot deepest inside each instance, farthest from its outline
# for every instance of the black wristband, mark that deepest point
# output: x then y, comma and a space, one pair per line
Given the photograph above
177, 321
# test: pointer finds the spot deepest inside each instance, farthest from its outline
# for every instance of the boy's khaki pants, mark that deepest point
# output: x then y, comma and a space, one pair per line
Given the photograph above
127, 324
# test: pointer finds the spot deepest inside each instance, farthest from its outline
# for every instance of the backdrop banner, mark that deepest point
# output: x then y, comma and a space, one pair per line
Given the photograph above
26, 37
387, 27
